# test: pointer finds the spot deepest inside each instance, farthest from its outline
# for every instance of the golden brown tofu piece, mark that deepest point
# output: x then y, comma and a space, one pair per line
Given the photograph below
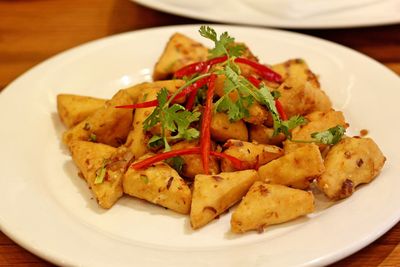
264, 135
222, 129
73, 109
300, 91
350, 162
136, 91
137, 139
92, 159
179, 52
317, 121
193, 164
213, 194
295, 169
108, 125
252, 155
267, 204
159, 184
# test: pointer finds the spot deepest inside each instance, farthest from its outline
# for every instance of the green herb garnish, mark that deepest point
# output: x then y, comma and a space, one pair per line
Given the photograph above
225, 45
144, 178
176, 163
329, 137
101, 173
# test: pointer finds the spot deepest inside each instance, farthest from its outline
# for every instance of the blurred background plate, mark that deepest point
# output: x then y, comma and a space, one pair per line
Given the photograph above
49, 210
300, 14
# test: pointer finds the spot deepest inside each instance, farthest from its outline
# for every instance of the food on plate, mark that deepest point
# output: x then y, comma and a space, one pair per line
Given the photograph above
214, 194
159, 184
267, 204
75, 108
252, 155
106, 125
102, 166
216, 128
296, 169
351, 162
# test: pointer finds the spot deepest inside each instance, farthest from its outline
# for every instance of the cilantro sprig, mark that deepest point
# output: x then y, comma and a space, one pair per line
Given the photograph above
175, 119
329, 137
224, 45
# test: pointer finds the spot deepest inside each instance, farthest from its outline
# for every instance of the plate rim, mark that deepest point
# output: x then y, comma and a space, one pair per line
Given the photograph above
193, 14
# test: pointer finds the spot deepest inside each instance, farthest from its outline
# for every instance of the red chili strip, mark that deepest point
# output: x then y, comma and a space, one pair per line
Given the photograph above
147, 104
237, 163
280, 110
216, 60
198, 67
205, 140
166, 155
192, 96
153, 103
191, 69
256, 82
264, 71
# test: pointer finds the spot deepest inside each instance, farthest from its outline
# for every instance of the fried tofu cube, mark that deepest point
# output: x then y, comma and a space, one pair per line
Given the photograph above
92, 159
159, 184
252, 155
137, 95
350, 162
300, 91
317, 121
295, 169
264, 135
193, 164
107, 125
179, 52
222, 129
267, 204
213, 194
73, 109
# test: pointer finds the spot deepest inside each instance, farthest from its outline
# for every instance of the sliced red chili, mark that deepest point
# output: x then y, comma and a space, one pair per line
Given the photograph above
237, 163
166, 155
264, 71
198, 67
147, 104
192, 96
205, 140
191, 69
280, 110
254, 81
154, 103
216, 60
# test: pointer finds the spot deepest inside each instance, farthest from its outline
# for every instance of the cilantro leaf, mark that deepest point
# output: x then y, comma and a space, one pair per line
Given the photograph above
176, 163
175, 119
155, 141
276, 94
225, 45
331, 136
238, 108
285, 127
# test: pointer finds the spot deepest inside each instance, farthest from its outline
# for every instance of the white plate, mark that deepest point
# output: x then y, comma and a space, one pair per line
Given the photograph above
253, 12
46, 208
